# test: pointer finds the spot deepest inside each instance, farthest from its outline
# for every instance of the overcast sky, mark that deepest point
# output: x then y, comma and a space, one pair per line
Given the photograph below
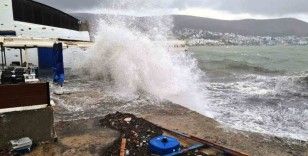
221, 9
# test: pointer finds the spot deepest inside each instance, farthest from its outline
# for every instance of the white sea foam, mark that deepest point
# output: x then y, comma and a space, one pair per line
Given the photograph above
263, 104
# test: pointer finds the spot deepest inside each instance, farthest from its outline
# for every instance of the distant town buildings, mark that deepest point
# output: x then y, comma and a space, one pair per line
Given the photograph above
201, 37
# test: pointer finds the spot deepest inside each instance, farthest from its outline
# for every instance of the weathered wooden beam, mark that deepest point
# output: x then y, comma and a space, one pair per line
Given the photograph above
123, 147
227, 151
21, 95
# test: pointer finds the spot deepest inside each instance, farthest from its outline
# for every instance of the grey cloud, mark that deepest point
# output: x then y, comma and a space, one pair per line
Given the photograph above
262, 7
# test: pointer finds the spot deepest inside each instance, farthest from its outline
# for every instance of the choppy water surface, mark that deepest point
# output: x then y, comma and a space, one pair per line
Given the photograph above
260, 89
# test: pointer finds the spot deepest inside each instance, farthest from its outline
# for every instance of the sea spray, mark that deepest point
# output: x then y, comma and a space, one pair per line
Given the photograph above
134, 61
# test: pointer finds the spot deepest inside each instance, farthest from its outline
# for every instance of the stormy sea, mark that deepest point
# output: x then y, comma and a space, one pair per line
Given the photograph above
257, 89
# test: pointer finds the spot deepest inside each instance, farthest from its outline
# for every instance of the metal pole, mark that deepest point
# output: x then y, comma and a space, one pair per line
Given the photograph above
2, 64
27, 59
1, 49
4, 56
20, 51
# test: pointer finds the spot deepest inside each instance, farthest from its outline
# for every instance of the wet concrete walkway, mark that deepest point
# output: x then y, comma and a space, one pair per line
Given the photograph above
79, 138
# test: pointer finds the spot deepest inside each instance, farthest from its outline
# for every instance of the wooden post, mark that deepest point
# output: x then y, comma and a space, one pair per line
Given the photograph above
123, 147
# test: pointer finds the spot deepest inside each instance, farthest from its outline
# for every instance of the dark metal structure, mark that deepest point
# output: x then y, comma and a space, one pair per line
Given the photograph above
34, 12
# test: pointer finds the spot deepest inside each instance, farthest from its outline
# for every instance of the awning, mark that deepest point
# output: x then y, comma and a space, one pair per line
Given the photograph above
17, 42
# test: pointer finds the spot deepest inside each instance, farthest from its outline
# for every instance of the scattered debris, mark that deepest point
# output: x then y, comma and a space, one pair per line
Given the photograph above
137, 136
137, 132
128, 120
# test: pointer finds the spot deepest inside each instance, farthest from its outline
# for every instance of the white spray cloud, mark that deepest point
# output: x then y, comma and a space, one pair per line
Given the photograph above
133, 62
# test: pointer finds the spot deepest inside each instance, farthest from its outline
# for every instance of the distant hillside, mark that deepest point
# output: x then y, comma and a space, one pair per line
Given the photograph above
271, 27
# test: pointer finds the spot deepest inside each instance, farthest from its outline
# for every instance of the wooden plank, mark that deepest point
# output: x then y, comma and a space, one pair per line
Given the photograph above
21, 95
225, 150
123, 147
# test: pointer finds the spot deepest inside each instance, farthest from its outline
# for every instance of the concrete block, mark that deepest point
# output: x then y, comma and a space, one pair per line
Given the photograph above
37, 124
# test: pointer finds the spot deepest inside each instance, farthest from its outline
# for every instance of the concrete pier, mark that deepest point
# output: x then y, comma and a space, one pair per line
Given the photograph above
37, 124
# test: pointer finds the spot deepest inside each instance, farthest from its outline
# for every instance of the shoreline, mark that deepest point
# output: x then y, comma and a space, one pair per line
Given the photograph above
87, 137
176, 117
